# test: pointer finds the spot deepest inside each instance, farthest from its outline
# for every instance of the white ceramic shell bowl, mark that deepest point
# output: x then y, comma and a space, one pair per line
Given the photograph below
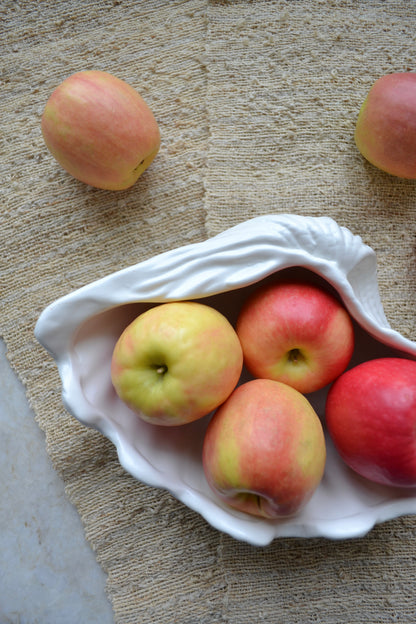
81, 329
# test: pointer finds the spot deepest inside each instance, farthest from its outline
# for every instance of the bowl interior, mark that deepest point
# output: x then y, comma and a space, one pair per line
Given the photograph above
170, 457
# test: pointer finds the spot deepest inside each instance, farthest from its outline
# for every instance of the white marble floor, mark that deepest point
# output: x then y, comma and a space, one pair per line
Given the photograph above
48, 572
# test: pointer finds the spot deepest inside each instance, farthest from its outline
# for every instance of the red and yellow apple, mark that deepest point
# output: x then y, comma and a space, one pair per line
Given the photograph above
371, 418
385, 132
264, 450
176, 362
100, 130
297, 333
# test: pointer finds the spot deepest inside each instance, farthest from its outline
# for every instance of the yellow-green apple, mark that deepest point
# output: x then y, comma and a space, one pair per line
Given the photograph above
385, 132
264, 449
176, 362
297, 333
100, 130
371, 417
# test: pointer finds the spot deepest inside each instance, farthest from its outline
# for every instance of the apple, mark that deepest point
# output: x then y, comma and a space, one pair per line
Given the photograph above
297, 333
371, 417
176, 362
385, 132
100, 130
264, 449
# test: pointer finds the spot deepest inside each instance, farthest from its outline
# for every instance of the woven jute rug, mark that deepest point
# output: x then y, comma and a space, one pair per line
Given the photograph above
257, 103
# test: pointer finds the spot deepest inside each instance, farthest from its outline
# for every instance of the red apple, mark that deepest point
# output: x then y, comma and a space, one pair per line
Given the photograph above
176, 362
371, 418
385, 133
264, 450
296, 333
100, 130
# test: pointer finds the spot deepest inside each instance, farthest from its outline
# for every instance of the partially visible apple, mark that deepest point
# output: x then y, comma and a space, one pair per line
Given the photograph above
371, 418
176, 362
297, 333
385, 133
264, 450
100, 130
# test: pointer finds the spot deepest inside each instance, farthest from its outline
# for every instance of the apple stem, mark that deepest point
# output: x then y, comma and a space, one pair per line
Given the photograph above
161, 370
139, 165
295, 356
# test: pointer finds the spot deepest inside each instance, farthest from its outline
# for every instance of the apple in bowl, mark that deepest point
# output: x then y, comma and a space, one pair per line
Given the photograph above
176, 362
264, 450
371, 417
295, 332
100, 130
